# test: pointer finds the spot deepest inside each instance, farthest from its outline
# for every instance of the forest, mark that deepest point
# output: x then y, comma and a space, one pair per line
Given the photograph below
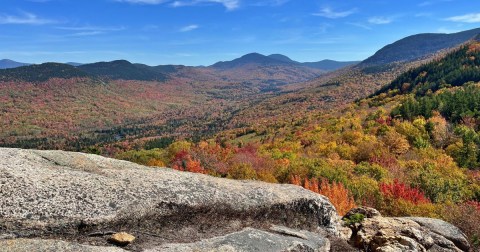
403, 152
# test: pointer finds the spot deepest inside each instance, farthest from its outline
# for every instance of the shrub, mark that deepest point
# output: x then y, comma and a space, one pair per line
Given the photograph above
365, 191
397, 190
372, 170
153, 157
354, 219
242, 171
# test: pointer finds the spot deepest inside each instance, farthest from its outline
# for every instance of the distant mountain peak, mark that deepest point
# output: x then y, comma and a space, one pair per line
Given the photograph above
280, 59
123, 69
8, 63
418, 46
250, 58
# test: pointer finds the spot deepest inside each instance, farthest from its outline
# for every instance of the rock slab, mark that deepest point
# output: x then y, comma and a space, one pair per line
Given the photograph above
77, 197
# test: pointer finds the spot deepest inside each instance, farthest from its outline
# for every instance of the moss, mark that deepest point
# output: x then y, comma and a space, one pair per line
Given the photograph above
353, 219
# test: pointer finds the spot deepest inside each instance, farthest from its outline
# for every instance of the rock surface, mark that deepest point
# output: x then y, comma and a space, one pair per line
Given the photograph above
444, 229
80, 198
35, 245
377, 233
253, 240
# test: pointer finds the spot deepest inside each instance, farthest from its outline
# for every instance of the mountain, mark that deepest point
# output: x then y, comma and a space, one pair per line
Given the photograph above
335, 89
41, 72
168, 69
122, 69
119, 69
251, 58
262, 71
418, 46
325, 65
330, 65
6, 63
280, 59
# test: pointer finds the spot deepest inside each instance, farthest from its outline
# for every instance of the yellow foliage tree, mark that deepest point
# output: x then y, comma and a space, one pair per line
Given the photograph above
396, 143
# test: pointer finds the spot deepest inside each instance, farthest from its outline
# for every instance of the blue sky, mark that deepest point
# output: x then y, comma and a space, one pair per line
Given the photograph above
201, 32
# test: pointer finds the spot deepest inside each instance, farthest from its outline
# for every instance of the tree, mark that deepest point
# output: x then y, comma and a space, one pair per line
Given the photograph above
396, 143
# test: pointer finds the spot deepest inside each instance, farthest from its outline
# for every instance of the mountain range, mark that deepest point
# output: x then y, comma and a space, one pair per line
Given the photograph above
184, 101
255, 58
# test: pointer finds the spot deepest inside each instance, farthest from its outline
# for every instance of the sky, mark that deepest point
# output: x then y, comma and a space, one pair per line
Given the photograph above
202, 32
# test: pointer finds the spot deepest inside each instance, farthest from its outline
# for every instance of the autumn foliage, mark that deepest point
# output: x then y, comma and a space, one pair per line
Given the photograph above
184, 162
397, 190
336, 192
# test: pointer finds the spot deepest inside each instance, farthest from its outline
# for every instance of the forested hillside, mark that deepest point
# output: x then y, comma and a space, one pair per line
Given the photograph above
454, 70
41, 73
403, 152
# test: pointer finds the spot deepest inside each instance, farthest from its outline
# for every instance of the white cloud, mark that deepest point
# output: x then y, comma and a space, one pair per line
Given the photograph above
90, 28
229, 4
81, 31
380, 20
467, 18
25, 18
329, 13
189, 28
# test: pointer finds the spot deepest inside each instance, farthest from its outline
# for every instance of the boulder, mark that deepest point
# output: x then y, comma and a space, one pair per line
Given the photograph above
377, 233
84, 198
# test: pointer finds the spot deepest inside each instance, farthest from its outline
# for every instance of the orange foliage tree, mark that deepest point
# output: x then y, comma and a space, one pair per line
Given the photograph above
336, 192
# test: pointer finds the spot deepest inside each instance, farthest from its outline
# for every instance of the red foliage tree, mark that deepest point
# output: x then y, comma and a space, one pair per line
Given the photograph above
397, 190
183, 161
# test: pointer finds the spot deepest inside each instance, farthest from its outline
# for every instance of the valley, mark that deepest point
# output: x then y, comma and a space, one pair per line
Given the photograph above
398, 132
